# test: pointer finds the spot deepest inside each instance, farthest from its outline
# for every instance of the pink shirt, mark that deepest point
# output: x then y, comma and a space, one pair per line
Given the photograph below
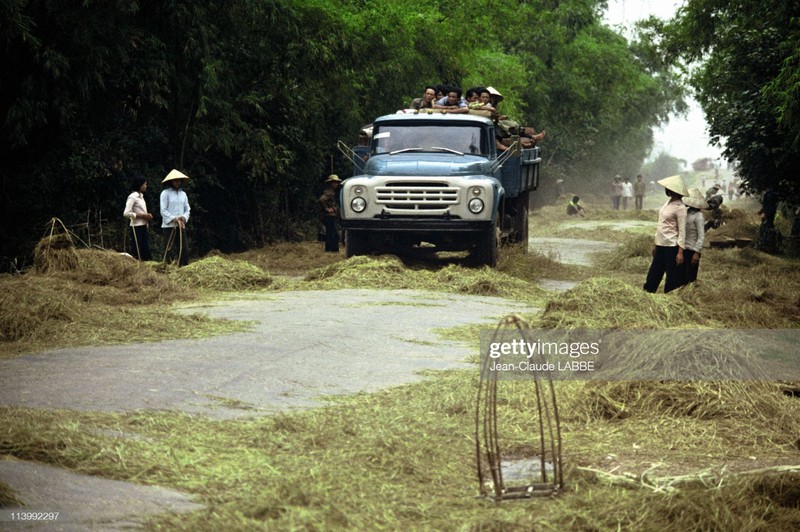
135, 205
671, 229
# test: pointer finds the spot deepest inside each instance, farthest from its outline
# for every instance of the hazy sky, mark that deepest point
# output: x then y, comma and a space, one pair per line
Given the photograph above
683, 137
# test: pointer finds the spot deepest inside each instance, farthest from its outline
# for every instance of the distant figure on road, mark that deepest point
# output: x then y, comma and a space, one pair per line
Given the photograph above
639, 187
627, 192
616, 192
329, 213
670, 238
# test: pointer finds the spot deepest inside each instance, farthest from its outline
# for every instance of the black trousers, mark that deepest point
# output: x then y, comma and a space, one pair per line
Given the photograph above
689, 270
140, 242
331, 234
176, 245
664, 262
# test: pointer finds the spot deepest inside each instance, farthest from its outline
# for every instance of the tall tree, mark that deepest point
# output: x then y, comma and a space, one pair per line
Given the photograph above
743, 58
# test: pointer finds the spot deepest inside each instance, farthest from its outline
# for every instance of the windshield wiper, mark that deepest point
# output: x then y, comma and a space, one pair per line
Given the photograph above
405, 150
449, 150
432, 148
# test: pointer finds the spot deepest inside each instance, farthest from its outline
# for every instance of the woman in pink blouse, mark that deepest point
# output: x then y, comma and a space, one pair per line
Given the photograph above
670, 238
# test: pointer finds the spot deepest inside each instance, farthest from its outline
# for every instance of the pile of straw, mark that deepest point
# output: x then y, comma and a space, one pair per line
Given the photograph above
389, 272
55, 252
31, 307
218, 273
689, 354
605, 303
759, 404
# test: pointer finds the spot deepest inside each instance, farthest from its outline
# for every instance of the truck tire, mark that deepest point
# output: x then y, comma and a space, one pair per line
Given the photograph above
486, 248
355, 243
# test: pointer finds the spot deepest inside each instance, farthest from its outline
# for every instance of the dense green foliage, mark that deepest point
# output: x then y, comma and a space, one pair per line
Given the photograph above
746, 55
249, 97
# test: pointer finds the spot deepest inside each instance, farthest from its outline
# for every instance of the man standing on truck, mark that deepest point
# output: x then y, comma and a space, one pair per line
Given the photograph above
426, 102
329, 213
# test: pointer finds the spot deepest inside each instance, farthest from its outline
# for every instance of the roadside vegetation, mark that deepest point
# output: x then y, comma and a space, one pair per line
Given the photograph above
638, 455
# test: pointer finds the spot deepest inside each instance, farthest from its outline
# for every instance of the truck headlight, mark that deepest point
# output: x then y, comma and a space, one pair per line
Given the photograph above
359, 204
475, 205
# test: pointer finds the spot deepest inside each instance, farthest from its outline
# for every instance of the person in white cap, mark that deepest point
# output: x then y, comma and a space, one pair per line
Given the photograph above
174, 216
670, 238
695, 234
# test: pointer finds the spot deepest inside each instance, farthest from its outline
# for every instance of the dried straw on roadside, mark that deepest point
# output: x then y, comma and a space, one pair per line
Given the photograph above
31, 307
389, 272
55, 252
218, 273
606, 303
687, 354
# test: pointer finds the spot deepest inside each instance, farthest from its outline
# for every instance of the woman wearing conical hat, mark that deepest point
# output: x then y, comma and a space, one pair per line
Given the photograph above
174, 215
670, 238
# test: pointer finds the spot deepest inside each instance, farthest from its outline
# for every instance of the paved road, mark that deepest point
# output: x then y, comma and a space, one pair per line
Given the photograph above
305, 345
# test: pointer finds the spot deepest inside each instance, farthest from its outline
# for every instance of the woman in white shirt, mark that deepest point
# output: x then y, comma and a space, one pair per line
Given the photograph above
136, 212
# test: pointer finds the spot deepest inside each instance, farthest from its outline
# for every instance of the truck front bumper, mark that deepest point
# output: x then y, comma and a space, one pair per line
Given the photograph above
414, 224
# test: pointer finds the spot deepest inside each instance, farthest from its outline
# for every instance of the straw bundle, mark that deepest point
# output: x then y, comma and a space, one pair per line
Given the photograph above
698, 354
218, 273
55, 253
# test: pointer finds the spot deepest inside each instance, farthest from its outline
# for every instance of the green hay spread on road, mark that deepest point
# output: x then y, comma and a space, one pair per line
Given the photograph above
605, 303
389, 272
221, 274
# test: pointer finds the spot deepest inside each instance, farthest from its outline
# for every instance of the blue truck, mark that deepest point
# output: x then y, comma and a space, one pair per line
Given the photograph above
434, 179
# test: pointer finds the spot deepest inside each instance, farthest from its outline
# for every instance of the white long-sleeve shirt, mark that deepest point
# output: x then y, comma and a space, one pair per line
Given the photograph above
134, 205
174, 203
671, 229
695, 230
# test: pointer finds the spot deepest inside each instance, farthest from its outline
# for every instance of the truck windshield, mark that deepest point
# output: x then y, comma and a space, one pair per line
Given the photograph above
406, 138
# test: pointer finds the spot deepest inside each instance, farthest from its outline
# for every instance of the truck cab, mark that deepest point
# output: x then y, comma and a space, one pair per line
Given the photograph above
435, 178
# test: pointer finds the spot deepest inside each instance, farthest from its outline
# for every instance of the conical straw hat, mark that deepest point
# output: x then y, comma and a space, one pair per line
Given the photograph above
675, 184
695, 199
174, 174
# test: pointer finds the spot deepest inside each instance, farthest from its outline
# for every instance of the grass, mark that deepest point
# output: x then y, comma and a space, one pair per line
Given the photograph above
639, 455
403, 458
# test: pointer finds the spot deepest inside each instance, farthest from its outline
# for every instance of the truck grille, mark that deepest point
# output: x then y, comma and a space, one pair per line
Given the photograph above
411, 196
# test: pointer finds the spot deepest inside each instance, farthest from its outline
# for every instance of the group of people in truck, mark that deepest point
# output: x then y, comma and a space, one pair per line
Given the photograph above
479, 100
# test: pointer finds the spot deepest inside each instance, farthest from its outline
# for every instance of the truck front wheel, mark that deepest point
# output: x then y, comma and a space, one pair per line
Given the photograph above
486, 248
355, 243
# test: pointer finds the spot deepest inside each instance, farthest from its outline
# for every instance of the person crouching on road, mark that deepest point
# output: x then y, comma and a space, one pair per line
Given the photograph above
329, 213
136, 212
574, 207
175, 215
670, 238
695, 234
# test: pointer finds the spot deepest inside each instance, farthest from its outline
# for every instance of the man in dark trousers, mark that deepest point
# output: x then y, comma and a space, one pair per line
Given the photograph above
329, 213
